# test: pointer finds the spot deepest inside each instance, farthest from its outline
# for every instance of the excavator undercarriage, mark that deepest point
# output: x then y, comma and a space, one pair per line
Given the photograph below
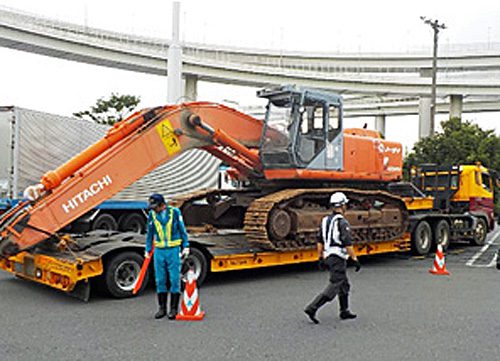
289, 219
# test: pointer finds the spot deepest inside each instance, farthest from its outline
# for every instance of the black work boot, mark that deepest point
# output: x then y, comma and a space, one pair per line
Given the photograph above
162, 302
312, 308
174, 305
345, 314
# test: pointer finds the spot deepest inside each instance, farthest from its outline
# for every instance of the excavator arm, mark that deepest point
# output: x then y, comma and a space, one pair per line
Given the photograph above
129, 150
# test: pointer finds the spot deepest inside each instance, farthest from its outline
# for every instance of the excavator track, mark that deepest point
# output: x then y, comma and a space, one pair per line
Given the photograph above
257, 218
289, 219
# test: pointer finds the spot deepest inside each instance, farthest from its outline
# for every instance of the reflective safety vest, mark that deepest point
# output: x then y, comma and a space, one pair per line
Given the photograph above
331, 236
162, 237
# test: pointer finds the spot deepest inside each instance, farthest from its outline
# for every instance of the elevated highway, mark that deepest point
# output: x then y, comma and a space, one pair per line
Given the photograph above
389, 84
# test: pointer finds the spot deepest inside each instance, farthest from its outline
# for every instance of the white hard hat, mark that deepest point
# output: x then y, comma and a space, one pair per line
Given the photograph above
338, 199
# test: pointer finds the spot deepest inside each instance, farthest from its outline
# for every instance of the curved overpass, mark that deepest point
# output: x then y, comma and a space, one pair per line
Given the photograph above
364, 74
372, 84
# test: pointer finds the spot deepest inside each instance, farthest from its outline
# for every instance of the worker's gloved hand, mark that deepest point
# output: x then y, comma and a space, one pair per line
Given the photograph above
322, 265
357, 265
146, 254
185, 253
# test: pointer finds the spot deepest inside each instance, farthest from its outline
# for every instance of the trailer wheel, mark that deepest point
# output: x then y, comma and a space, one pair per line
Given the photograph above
441, 233
421, 239
480, 233
133, 222
198, 260
104, 221
121, 273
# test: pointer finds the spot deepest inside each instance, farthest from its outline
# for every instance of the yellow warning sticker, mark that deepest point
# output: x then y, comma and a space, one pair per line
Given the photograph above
168, 137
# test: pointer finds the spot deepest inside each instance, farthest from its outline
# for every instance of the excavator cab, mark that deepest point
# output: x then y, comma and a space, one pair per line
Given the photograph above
303, 129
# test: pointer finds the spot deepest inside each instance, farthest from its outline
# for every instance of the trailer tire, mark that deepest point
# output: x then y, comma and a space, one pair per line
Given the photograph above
199, 261
441, 234
121, 272
421, 239
104, 221
133, 222
480, 233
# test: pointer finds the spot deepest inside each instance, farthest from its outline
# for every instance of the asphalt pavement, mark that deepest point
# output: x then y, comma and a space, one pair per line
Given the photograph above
404, 313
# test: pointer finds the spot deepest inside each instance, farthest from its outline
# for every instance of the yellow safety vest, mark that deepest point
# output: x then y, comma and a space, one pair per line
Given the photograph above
160, 240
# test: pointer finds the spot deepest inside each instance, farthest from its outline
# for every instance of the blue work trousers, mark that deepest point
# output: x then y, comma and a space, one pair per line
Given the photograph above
167, 260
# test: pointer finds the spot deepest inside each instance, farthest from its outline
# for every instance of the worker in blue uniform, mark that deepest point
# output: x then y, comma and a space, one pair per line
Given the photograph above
171, 245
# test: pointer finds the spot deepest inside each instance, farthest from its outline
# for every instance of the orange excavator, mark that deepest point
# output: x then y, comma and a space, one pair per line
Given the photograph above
290, 163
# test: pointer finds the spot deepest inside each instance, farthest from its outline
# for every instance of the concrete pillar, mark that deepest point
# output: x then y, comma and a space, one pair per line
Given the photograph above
380, 124
456, 106
191, 88
174, 65
424, 117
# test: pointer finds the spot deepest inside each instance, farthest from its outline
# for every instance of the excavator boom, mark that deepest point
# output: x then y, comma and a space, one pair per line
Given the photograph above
130, 150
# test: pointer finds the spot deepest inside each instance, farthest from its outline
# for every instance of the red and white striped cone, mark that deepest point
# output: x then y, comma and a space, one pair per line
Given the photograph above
190, 305
439, 267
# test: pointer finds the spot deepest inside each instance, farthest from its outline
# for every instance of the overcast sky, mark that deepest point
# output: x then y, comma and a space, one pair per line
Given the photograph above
64, 87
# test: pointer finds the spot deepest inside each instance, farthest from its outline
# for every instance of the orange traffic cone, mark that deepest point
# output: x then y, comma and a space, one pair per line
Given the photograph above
190, 305
439, 267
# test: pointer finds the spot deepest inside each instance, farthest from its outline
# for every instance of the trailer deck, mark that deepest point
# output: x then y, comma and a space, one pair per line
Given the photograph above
230, 251
70, 265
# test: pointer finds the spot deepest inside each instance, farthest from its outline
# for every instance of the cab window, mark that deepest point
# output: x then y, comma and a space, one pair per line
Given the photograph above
486, 181
311, 139
333, 122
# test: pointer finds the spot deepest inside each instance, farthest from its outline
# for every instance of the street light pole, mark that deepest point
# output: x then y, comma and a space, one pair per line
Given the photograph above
435, 25
174, 59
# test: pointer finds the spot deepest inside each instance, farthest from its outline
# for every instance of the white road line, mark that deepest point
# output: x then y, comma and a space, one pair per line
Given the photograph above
474, 258
493, 261
489, 265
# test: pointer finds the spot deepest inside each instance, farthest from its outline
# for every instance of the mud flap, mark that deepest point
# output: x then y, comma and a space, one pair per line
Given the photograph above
81, 291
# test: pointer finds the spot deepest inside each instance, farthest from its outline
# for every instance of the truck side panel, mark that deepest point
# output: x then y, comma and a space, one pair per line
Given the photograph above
6, 116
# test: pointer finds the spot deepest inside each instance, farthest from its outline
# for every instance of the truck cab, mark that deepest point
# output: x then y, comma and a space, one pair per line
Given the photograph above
476, 191
458, 189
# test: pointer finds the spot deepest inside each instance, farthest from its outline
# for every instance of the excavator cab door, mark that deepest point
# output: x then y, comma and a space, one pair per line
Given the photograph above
319, 141
303, 129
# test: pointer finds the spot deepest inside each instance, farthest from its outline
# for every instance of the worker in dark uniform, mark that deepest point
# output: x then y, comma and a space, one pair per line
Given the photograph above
334, 248
166, 226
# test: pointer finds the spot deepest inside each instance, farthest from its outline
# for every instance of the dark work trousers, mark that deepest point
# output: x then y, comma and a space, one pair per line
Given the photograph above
338, 285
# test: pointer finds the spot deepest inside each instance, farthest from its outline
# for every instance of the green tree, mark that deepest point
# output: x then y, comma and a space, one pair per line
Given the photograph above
460, 142
109, 111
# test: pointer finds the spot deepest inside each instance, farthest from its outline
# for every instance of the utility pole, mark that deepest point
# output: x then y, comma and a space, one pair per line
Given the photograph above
435, 25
